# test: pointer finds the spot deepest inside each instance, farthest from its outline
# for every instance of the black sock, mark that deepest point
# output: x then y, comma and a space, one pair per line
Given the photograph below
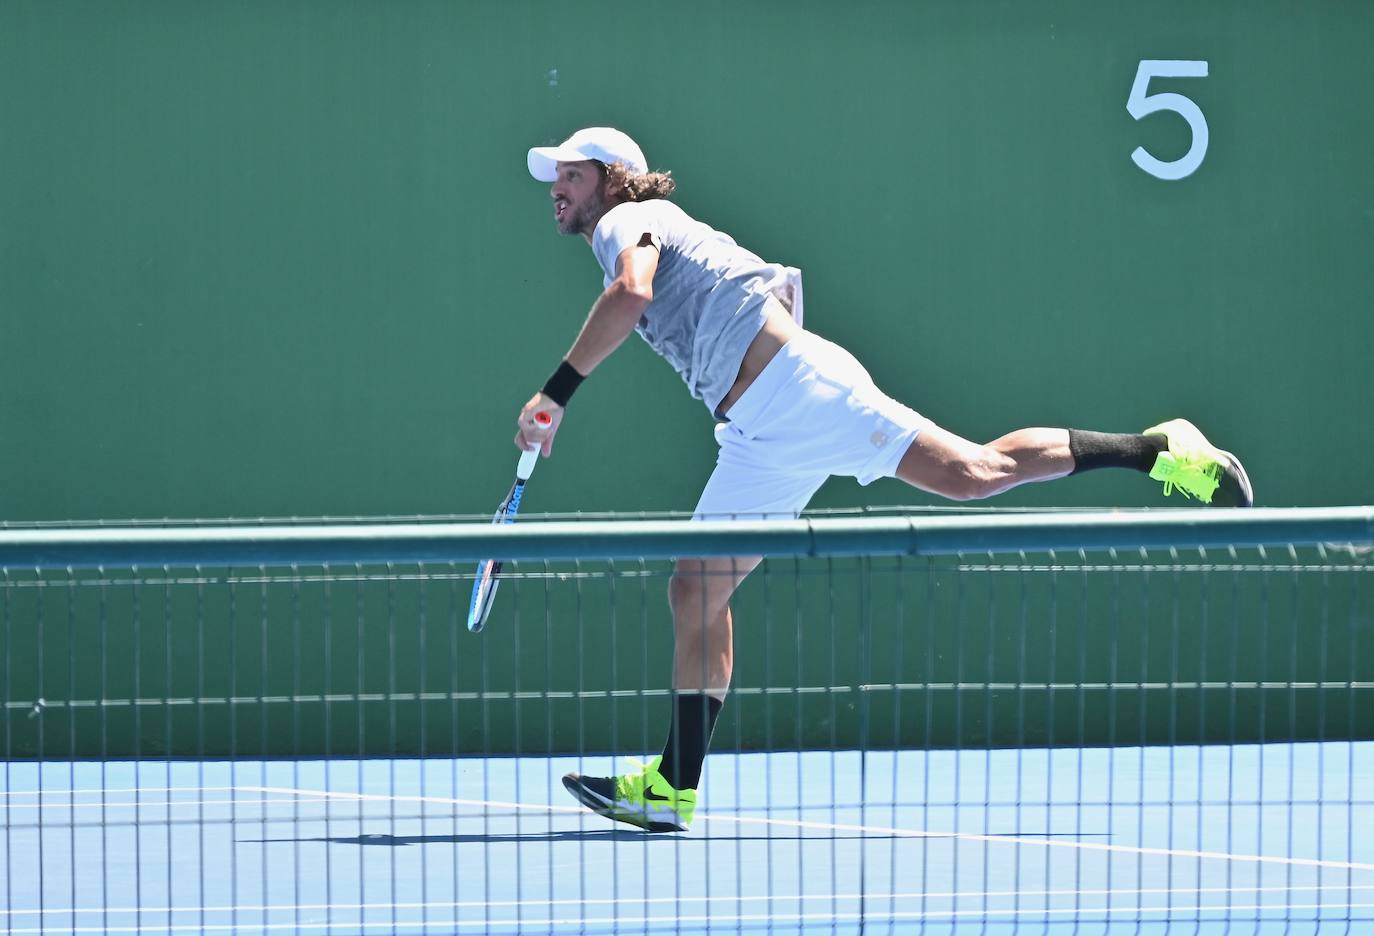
694, 718
1114, 450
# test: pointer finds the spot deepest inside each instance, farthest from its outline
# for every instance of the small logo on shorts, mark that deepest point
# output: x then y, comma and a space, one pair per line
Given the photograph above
879, 439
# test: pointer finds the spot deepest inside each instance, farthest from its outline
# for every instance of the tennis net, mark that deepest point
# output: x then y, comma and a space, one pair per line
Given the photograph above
985, 722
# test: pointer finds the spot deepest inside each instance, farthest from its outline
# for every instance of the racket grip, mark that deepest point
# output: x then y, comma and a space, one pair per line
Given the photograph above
525, 467
530, 458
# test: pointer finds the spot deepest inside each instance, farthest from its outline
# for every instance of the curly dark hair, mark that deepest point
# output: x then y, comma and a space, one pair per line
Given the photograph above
622, 184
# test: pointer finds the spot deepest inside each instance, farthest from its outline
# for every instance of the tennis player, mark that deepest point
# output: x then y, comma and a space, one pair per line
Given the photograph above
792, 409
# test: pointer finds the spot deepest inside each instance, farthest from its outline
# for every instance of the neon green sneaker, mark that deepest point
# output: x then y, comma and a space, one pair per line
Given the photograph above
645, 799
1198, 469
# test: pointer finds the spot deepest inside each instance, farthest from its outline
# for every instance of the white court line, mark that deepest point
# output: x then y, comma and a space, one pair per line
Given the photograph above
160, 804
324, 796
713, 919
706, 899
109, 791
64, 801
870, 830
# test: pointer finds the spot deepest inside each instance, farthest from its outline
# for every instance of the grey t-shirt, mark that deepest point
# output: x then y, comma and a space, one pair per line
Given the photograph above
709, 292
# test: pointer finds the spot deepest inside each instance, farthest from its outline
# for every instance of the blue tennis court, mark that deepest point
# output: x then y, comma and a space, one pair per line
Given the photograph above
235, 747
1259, 838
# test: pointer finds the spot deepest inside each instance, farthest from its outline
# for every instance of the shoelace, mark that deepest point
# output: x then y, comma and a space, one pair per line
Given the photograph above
642, 776
642, 768
1181, 473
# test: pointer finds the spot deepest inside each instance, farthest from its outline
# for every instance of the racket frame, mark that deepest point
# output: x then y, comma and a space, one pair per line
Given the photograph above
487, 578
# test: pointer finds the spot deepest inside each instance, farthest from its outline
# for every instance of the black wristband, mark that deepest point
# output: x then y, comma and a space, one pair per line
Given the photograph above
562, 384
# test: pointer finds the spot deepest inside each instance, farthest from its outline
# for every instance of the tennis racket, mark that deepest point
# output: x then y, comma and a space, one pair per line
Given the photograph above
489, 570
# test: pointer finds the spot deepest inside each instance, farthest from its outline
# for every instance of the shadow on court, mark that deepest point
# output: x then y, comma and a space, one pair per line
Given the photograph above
398, 841
599, 835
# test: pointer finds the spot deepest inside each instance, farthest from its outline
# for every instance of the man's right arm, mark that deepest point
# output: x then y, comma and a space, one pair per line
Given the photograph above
612, 318
618, 309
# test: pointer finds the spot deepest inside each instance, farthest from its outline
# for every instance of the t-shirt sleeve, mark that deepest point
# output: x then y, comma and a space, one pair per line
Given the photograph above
621, 227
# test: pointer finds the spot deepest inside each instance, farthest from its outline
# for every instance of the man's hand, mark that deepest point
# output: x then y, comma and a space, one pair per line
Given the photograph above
532, 431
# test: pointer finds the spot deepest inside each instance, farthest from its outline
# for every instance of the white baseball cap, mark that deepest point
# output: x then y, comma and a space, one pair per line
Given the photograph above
604, 144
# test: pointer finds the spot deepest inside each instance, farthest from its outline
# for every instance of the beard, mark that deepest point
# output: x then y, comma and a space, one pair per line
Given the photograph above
580, 218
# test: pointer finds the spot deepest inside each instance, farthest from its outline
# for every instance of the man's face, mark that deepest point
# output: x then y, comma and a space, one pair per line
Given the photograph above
577, 197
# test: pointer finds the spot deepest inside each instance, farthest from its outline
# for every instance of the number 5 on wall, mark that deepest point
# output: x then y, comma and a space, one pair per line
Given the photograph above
1140, 104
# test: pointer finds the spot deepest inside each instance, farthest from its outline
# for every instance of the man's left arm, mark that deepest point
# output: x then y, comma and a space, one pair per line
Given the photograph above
613, 316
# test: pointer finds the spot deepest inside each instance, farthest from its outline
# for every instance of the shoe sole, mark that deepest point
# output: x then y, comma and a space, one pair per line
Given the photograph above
1242, 495
602, 807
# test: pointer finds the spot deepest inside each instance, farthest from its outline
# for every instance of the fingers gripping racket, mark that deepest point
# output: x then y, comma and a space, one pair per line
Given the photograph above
489, 570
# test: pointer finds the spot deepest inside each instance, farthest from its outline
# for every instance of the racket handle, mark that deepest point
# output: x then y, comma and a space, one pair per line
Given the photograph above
530, 458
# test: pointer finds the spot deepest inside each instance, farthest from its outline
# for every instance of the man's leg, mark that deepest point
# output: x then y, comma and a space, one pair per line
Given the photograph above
662, 796
703, 660
1174, 452
943, 463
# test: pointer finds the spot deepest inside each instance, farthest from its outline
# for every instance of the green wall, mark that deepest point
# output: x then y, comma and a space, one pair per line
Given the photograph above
284, 259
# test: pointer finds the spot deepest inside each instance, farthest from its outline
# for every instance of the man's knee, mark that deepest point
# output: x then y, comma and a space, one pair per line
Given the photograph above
684, 587
945, 464
975, 481
978, 473
691, 586
700, 587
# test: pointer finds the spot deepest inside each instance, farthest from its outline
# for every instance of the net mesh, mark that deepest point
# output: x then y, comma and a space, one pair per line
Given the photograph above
1069, 740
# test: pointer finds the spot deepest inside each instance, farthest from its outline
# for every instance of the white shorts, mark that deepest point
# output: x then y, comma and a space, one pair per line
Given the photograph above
813, 412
